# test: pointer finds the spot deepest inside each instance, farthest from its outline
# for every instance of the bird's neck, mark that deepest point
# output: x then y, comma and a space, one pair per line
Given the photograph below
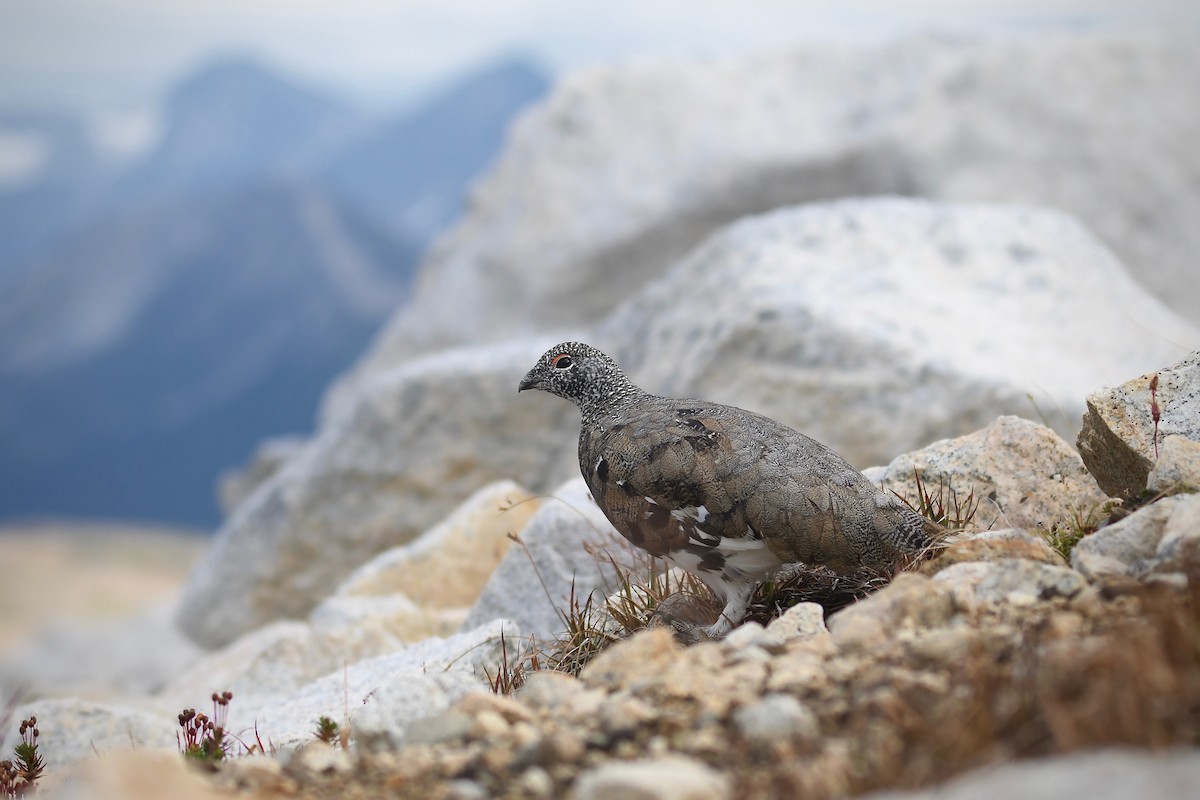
608, 401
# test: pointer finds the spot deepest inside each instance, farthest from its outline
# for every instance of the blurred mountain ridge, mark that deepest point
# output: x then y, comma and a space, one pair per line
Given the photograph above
168, 316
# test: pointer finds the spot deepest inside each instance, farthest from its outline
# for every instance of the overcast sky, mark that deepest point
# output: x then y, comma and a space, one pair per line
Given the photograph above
95, 53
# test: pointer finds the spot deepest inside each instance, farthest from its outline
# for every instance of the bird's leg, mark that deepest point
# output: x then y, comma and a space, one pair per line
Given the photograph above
737, 603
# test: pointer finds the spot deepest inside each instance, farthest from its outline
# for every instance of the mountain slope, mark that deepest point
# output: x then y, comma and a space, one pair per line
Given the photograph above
225, 280
412, 171
157, 351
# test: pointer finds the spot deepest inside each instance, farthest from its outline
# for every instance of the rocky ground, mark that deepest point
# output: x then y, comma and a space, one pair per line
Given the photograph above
409, 571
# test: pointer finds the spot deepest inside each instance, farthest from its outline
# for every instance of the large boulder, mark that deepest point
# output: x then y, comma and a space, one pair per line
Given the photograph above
417, 440
443, 571
879, 325
625, 169
563, 553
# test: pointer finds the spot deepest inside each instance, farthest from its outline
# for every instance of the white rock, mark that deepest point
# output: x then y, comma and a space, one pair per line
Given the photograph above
801, 622
823, 317
74, 730
858, 322
623, 170
414, 443
963, 579
276, 660
289, 720
235, 485
101, 661
401, 703
1180, 544
395, 614
533, 582
666, 778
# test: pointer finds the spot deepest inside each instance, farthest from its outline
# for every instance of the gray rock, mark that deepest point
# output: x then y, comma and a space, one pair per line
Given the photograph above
1023, 475
235, 485
774, 718
533, 582
1117, 437
416, 441
102, 661
74, 730
1019, 582
289, 720
1179, 547
1152, 539
278, 659
1177, 468
634, 148
666, 778
1103, 775
406, 710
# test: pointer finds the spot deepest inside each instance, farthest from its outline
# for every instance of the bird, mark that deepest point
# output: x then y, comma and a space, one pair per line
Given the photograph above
726, 494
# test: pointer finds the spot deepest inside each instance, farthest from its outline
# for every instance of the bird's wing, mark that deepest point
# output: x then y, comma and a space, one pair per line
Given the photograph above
694, 476
669, 479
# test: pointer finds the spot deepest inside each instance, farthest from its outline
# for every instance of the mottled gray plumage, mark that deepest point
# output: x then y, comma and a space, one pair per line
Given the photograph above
728, 495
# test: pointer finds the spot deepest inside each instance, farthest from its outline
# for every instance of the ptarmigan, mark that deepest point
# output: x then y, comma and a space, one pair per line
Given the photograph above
728, 495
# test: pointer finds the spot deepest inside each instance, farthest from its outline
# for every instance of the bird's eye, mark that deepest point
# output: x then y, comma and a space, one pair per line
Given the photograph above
561, 361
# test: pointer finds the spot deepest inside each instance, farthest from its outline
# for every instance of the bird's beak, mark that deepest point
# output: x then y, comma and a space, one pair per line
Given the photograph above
529, 381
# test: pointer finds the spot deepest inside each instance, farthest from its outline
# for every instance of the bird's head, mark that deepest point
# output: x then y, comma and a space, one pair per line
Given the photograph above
580, 373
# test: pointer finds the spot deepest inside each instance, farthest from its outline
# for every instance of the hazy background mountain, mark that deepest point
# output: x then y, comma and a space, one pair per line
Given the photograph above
159, 319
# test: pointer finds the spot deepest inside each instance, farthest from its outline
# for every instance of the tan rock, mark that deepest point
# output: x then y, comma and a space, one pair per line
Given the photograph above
708, 674
800, 669
141, 775
548, 690
447, 566
908, 603
638, 659
993, 546
504, 707
1022, 474
803, 622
